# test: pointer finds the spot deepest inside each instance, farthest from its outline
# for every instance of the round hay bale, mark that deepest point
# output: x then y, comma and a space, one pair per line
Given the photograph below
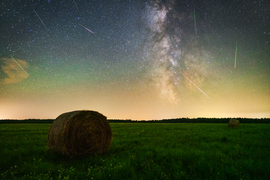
233, 123
79, 133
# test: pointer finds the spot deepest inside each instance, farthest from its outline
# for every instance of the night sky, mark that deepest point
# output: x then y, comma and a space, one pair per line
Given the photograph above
134, 59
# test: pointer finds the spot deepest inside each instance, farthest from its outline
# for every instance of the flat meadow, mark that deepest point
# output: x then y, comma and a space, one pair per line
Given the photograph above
143, 151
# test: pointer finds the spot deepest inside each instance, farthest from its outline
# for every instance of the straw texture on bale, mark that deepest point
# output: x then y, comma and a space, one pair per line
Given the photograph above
79, 133
233, 123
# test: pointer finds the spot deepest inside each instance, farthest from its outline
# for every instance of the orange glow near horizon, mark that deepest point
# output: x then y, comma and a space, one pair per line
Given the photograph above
137, 104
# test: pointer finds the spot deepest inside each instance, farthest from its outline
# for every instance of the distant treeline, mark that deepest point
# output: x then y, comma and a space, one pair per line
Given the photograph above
9, 121
178, 120
195, 120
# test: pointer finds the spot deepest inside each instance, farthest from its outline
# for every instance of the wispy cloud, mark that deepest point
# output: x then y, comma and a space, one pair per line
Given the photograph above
15, 70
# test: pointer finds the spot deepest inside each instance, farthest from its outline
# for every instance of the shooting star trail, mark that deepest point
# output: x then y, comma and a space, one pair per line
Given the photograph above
195, 23
19, 65
76, 5
87, 29
235, 56
41, 20
195, 86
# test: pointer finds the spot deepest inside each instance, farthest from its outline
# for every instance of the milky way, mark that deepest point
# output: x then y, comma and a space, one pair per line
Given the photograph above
170, 58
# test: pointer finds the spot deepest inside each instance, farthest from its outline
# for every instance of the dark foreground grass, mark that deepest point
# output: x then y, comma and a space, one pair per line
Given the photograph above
143, 151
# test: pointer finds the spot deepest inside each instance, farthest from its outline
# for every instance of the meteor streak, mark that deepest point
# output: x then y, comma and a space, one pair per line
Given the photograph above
76, 5
41, 20
19, 65
87, 29
195, 23
235, 56
196, 86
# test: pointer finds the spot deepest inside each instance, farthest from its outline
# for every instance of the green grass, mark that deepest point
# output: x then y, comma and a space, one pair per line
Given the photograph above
143, 151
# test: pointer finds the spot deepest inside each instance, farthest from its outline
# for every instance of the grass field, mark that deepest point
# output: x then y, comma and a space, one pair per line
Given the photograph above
143, 151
